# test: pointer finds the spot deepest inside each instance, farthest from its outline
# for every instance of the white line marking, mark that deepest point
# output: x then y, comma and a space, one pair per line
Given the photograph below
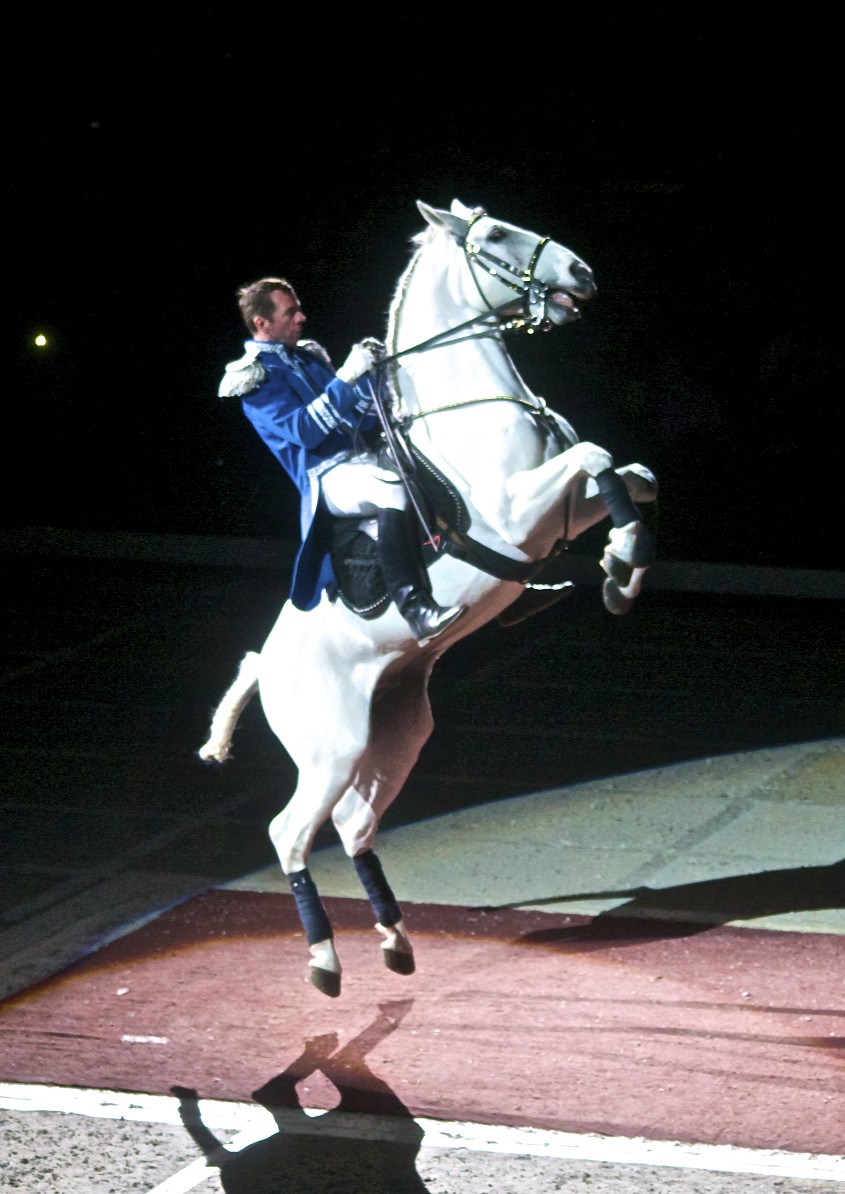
253, 1123
144, 1040
195, 1173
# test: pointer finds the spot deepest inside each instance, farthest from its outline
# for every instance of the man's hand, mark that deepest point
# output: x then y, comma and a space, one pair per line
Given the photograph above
376, 347
361, 359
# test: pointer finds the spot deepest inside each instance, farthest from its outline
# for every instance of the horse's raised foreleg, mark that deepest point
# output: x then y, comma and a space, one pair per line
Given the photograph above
630, 546
583, 486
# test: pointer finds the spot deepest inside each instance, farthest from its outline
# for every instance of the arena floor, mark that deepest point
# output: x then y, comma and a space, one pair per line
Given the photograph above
620, 859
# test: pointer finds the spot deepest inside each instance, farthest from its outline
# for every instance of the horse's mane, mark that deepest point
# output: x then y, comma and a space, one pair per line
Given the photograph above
429, 234
420, 239
418, 242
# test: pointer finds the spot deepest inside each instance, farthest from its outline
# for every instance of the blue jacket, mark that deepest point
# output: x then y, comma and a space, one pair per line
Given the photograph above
310, 420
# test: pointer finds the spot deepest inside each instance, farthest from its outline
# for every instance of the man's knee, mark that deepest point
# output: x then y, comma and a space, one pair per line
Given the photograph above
381, 488
363, 487
391, 492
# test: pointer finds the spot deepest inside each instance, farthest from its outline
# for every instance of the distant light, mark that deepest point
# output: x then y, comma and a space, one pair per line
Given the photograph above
41, 340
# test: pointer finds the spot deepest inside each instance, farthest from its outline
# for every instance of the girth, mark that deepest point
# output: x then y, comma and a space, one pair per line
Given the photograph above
355, 554
451, 517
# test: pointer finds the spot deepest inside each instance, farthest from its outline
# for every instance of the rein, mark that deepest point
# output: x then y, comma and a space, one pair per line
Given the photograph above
445, 338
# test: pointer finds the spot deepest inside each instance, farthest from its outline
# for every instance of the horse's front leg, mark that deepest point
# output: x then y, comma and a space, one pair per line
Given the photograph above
630, 546
572, 492
580, 486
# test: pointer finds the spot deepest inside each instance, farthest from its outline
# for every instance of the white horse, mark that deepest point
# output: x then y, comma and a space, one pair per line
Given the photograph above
346, 692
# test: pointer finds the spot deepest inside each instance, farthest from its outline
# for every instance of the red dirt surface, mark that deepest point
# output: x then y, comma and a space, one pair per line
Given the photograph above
607, 1025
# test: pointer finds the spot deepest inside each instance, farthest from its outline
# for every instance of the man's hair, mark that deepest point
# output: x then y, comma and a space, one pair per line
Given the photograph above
254, 299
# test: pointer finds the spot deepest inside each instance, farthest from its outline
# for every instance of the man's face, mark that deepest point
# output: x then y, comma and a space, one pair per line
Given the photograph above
285, 324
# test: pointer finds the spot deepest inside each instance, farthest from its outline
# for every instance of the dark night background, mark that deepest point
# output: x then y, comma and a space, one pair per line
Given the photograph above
701, 190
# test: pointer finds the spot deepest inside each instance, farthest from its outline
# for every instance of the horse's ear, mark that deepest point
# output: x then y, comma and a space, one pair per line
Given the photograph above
466, 213
446, 221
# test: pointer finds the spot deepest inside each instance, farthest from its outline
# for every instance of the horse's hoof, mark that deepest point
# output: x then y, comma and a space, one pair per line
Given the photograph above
617, 598
618, 571
533, 601
614, 599
399, 963
327, 982
396, 948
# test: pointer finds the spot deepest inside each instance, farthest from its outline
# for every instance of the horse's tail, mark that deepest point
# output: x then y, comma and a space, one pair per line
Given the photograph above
234, 701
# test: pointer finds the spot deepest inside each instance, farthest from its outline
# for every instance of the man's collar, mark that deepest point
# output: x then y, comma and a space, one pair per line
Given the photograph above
276, 346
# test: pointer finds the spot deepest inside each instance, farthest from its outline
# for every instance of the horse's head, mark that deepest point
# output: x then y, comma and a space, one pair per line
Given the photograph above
548, 279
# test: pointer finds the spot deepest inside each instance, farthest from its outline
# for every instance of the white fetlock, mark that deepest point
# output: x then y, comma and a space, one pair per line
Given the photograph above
324, 968
397, 951
629, 548
622, 543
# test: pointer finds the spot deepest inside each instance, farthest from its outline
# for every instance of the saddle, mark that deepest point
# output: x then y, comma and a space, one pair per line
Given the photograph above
355, 557
355, 560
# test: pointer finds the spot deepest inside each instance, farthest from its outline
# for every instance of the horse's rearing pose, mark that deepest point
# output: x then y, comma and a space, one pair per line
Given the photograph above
501, 485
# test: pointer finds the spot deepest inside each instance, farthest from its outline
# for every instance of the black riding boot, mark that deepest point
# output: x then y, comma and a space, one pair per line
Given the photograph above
406, 577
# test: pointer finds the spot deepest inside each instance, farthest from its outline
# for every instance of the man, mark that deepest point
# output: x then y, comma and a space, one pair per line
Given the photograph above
313, 419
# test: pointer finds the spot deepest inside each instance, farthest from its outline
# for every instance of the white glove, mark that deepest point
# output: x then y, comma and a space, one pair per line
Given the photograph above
359, 362
376, 347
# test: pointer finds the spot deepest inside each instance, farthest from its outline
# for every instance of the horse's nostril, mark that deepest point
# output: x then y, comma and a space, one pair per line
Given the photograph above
583, 275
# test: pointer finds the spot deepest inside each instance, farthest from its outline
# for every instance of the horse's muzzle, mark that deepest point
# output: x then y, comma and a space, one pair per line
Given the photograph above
561, 308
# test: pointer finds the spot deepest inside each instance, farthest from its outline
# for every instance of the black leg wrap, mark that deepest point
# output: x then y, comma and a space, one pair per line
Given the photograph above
310, 907
614, 492
378, 890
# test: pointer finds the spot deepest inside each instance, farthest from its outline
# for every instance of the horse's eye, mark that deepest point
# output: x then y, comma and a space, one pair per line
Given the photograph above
496, 233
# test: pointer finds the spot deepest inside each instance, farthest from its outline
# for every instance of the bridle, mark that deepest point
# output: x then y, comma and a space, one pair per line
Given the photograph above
523, 281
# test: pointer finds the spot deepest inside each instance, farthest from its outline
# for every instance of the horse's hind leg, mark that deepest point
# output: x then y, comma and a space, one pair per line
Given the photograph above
401, 724
323, 721
324, 968
397, 950
292, 833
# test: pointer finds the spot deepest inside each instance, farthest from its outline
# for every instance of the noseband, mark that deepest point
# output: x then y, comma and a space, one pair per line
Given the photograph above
522, 281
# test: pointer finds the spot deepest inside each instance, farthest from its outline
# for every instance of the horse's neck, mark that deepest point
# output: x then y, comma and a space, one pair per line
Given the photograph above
457, 394
472, 363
